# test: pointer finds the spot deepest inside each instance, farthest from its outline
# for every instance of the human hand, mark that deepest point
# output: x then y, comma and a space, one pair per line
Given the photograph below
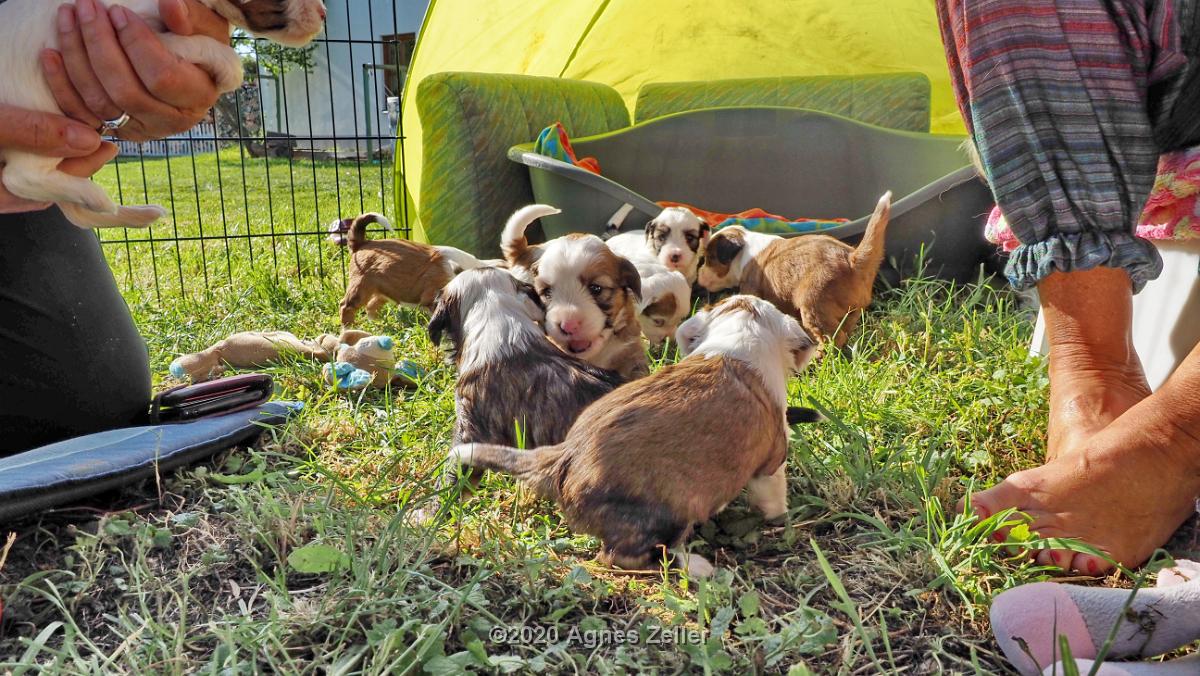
53, 136
111, 63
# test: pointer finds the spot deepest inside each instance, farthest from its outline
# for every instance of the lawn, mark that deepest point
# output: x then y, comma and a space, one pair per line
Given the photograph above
230, 214
205, 570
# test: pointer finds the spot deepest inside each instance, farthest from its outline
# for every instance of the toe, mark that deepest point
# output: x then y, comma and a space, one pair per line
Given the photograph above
1055, 558
1090, 565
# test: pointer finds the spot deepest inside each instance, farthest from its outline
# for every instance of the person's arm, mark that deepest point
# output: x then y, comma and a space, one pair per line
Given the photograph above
52, 136
111, 63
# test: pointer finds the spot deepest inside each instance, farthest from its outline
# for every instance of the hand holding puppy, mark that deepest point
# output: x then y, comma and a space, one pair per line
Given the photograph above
112, 63
53, 136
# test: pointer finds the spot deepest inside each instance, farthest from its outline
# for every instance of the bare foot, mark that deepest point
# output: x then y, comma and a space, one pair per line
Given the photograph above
1095, 373
1125, 490
1085, 396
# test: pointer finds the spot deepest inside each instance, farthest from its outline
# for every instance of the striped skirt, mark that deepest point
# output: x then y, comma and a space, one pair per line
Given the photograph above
1070, 103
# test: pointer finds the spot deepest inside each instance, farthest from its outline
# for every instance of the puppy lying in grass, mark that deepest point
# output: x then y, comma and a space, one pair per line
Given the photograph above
823, 282
629, 473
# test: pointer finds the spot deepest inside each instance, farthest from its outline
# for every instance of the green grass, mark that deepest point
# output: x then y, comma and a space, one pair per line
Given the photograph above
227, 216
874, 571
205, 570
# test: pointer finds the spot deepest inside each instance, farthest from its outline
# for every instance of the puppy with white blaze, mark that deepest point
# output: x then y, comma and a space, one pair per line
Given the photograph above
674, 239
590, 293
28, 26
631, 475
509, 373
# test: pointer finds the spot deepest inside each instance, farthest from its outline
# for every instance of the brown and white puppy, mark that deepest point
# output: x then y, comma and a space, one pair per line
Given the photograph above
630, 474
590, 293
673, 239
666, 296
404, 272
509, 373
28, 26
666, 300
817, 279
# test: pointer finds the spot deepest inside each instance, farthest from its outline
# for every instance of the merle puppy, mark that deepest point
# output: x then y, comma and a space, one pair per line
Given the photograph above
509, 373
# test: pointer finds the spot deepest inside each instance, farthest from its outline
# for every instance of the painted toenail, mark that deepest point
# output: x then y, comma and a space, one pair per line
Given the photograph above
1093, 569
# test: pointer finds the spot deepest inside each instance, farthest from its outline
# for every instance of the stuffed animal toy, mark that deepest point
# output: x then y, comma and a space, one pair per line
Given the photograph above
1030, 622
355, 359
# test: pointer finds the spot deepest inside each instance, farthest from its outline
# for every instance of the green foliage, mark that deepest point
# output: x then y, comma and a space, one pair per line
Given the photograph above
272, 56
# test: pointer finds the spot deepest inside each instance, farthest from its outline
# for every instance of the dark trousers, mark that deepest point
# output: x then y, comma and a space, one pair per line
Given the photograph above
73, 361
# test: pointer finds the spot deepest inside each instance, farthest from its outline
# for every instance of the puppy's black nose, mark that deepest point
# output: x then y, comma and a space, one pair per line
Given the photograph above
675, 258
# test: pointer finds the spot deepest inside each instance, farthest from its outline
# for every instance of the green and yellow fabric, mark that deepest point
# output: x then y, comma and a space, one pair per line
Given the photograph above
893, 100
468, 186
628, 43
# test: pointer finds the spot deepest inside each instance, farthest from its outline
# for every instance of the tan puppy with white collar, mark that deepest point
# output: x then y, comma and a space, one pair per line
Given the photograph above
630, 474
823, 282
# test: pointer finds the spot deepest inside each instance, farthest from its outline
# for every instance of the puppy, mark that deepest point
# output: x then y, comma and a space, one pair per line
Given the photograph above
629, 474
28, 26
509, 373
666, 296
590, 293
673, 239
405, 272
666, 300
817, 279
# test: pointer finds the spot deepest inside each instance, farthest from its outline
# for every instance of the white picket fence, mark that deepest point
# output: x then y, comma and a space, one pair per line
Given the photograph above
198, 139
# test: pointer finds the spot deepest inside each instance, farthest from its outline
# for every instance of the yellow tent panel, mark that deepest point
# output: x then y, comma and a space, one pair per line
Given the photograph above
626, 43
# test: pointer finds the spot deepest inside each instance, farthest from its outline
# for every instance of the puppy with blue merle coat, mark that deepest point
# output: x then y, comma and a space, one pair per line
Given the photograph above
509, 373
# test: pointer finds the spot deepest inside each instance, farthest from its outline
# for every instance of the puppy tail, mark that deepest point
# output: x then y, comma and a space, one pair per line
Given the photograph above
867, 257
459, 258
513, 242
358, 229
533, 468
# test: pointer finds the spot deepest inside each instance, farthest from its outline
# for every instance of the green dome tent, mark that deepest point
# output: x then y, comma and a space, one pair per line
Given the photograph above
627, 43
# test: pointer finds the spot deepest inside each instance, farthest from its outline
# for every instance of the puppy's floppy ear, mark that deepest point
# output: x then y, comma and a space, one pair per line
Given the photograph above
725, 248
705, 229
651, 225
445, 317
628, 277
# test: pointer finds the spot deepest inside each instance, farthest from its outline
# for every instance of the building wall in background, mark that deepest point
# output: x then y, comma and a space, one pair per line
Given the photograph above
331, 103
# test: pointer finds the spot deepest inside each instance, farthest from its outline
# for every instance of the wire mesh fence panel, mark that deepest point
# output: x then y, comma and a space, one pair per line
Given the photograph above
309, 139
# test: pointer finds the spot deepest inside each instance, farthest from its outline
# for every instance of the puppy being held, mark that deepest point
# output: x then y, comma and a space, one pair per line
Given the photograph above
823, 282
402, 271
629, 474
590, 293
28, 26
673, 239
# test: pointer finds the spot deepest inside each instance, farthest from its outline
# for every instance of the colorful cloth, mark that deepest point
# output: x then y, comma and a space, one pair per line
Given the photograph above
554, 143
1172, 212
760, 221
1056, 94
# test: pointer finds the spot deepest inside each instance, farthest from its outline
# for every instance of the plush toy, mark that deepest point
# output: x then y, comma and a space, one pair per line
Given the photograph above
355, 359
1030, 622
